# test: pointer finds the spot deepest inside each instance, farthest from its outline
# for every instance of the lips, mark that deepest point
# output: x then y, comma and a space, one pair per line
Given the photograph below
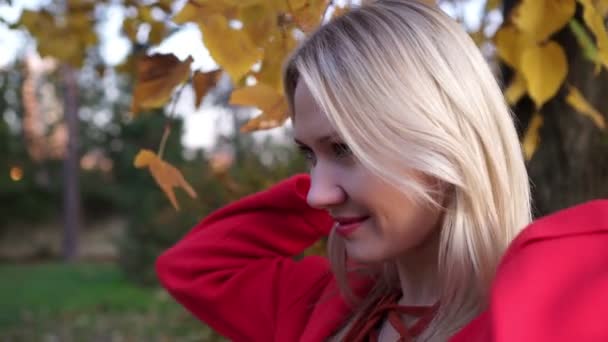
347, 225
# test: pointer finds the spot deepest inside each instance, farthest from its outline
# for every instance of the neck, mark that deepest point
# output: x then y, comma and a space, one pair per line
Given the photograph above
417, 272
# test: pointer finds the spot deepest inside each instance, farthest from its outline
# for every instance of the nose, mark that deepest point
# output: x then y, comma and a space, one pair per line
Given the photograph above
324, 192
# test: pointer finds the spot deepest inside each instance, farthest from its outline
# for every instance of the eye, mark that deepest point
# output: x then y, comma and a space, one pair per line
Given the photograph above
307, 153
340, 150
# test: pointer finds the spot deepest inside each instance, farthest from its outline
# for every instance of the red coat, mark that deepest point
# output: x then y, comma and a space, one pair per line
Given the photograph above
235, 271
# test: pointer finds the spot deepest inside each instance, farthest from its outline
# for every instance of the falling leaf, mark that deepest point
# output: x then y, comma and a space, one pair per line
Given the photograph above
516, 89
532, 136
165, 175
576, 99
510, 43
542, 18
544, 68
273, 105
231, 49
202, 82
595, 22
157, 77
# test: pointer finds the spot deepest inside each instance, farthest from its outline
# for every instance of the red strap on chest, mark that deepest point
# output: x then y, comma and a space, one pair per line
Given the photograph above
365, 329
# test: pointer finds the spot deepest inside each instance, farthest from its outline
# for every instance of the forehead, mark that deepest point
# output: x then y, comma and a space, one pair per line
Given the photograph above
310, 121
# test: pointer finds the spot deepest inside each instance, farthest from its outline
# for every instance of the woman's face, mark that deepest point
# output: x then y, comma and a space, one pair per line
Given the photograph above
376, 221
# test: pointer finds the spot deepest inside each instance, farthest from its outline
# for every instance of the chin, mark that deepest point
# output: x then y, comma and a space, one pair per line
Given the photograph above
363, 256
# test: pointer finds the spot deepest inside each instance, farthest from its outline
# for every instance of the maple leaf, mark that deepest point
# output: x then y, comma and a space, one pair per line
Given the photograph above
157, 77
165, 175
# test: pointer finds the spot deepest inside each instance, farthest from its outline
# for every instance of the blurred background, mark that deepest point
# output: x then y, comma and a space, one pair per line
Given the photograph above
80, 225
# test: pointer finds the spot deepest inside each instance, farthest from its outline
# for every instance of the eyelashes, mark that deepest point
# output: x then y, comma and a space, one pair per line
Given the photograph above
338, 150
307, 153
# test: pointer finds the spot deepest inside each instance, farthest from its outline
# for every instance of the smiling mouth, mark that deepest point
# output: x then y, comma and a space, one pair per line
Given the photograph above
347, 226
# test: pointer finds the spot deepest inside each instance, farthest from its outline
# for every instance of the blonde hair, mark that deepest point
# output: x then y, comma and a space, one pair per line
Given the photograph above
406, 87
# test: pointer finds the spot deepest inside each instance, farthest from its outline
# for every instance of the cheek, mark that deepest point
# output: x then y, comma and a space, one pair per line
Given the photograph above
418, 224
406, 221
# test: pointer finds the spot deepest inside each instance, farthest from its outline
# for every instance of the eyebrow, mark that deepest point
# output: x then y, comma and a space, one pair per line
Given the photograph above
320, 140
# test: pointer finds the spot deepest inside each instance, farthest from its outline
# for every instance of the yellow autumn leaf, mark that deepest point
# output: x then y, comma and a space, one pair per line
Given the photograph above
80, 6
234, 2
478, 36
67, 39
595, 22
307, 13
275, 53
602, 7
189, 13
545, 68
69, 50
144, 13
32, 19
231, 49
516, 89
542, 18
339, 11
576, 99
166, 175
165, 5
531, 138
157, 77
273, 105
81, 20
157, 32
510, 43
202, 82
128, 66
198, 10
130, 26
492, 4
279, 5
258, 20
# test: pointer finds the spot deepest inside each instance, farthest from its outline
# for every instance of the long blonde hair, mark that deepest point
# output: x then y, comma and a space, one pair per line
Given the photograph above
406, 87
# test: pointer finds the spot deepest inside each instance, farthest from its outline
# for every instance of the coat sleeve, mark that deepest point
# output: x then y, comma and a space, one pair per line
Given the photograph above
552, 284
235, 270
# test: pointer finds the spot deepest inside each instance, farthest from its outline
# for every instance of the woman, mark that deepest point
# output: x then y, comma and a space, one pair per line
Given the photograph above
416, 175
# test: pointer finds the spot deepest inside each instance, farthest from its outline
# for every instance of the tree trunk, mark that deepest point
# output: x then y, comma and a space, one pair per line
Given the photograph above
71, 195
571, 163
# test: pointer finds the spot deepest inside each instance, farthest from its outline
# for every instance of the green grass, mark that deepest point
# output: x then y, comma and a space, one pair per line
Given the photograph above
84, 302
